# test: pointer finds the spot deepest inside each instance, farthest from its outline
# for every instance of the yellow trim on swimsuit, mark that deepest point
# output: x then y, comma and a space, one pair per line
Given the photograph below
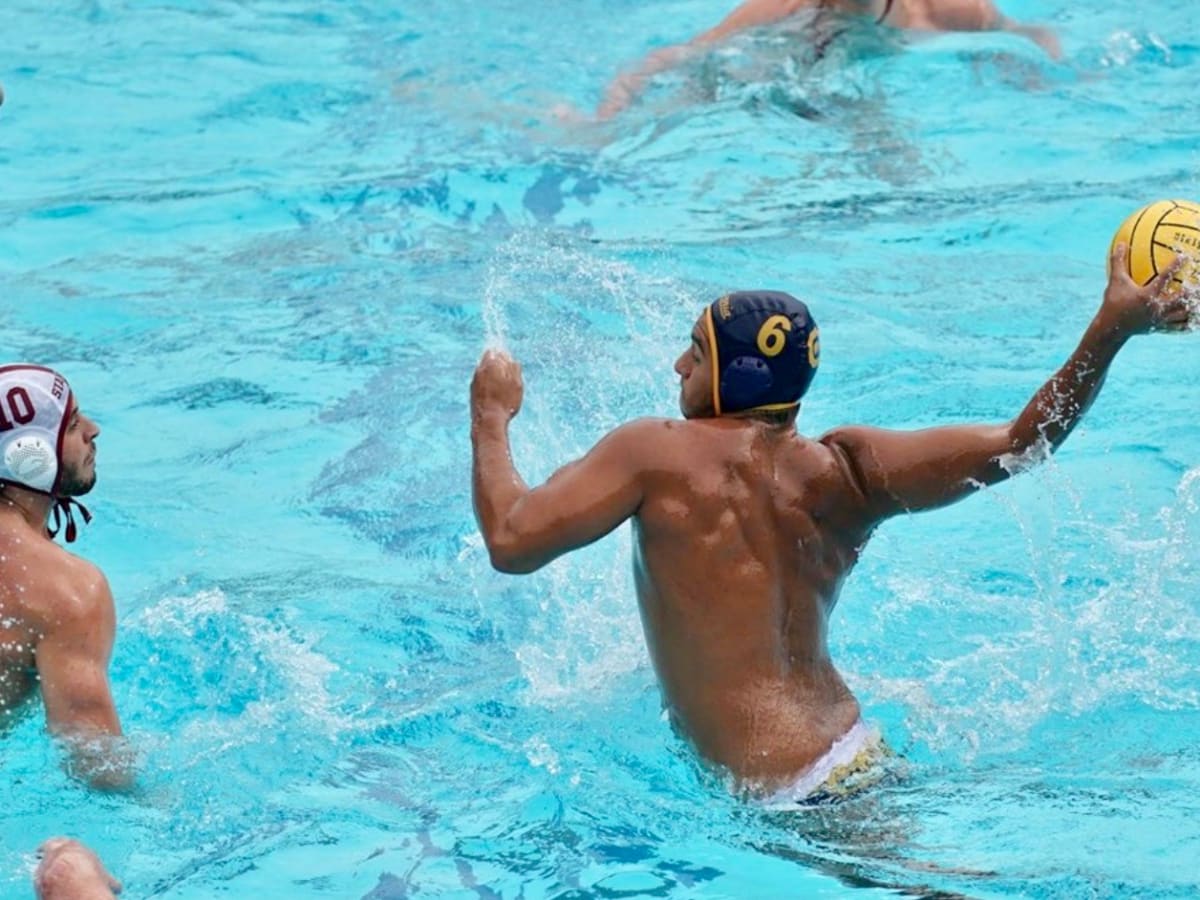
865, 770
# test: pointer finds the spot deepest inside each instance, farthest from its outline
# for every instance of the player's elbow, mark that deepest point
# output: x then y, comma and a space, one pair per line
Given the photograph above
504, 560
1024, 448
512, 565
509, 554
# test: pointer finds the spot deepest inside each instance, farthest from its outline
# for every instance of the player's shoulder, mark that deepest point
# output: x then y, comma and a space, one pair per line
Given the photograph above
648, 432
658, 444
848, 438
847, 450
67, 588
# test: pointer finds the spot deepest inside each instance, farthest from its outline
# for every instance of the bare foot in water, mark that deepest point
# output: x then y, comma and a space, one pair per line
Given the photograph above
70, 871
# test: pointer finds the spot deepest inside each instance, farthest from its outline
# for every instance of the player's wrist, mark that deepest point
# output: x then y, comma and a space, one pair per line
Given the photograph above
489, 416
1111, 328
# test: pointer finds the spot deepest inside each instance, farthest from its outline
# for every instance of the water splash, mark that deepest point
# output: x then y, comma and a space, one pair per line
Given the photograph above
571, 314
1072, 636
241, 673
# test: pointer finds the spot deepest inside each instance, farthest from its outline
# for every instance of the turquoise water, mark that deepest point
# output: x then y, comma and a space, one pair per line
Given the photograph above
267, 241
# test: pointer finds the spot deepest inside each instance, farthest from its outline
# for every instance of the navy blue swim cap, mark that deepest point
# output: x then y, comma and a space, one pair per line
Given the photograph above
765, 350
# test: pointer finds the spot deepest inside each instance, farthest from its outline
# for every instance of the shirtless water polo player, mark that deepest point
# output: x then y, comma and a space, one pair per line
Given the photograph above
57, 621
912, 15
745, 530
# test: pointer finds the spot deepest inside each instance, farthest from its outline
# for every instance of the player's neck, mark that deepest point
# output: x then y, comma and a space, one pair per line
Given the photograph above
30, 506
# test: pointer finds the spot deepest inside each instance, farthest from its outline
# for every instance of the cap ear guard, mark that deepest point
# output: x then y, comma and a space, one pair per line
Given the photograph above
30, 459
746, 382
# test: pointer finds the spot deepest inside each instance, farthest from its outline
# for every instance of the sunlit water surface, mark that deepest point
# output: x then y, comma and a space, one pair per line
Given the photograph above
267, 241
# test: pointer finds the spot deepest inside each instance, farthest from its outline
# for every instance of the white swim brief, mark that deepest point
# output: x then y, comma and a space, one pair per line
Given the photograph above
854, 762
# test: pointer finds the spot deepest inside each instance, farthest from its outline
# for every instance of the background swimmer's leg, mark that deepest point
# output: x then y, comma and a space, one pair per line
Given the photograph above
875, 133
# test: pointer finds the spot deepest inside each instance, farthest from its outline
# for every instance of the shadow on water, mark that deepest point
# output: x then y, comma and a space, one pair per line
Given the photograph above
862, 843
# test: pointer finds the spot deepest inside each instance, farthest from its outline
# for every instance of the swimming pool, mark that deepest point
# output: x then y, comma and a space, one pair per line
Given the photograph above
267, 241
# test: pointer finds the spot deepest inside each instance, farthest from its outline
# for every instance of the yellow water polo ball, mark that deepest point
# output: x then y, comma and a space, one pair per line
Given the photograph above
1155, 234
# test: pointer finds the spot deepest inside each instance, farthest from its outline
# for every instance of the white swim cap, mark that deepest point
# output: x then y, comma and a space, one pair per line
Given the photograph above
34, 406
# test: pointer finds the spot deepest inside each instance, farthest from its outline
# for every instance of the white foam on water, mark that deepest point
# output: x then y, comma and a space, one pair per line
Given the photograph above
549, 298
540, 754
586, 635
173, 615
1122, 48
1132, 638
494, 321
286, 655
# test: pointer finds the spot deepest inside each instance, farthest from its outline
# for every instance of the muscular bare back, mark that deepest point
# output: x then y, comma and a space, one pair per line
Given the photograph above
16, 665
743, 540
20, 625
917, 15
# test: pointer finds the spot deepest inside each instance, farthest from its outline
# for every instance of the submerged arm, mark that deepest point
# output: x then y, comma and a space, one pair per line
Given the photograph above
526, 528
911, 471
72, 663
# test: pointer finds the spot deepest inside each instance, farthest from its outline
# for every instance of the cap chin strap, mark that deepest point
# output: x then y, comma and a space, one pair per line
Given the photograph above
767, 407
62, 510
715, 353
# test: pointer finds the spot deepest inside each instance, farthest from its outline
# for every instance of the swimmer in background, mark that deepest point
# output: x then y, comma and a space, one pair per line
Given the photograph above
744, 530
57, 621
912, 15
70, 871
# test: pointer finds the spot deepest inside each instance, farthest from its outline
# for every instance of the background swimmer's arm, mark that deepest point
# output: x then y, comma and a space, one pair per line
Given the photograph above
982, 15
72, 664
893, 471
628, 86
1040, 35
526, 528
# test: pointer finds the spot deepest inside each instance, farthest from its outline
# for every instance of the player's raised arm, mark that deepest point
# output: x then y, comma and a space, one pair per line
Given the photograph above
910, 471
526, 528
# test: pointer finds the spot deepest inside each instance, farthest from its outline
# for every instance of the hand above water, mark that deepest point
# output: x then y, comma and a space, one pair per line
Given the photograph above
497, 385
1137, 309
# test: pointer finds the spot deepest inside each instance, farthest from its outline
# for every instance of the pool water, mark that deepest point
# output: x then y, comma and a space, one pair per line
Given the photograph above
267, 242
